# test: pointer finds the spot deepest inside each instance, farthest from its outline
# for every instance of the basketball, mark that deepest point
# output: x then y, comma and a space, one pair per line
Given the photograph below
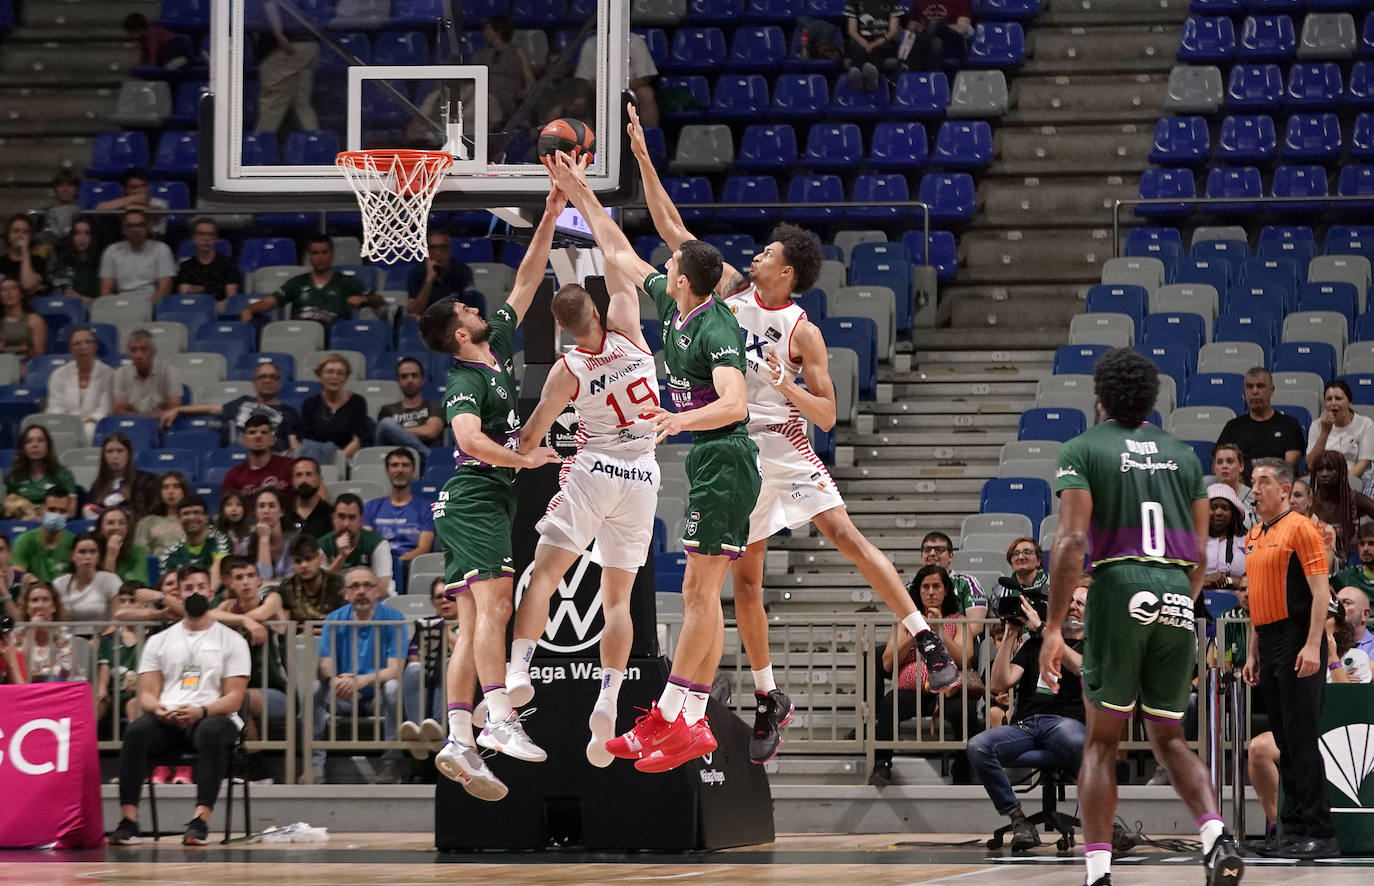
566, 134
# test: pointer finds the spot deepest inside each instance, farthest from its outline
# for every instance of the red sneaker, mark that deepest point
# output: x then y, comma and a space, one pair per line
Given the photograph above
161, 774
700, 742
649, 733
181, 775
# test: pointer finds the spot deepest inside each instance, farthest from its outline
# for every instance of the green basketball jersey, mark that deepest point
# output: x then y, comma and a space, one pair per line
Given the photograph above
1143, 483
487, 392
693, 346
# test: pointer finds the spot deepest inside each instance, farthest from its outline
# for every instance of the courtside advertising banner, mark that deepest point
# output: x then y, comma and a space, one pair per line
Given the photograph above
49, 768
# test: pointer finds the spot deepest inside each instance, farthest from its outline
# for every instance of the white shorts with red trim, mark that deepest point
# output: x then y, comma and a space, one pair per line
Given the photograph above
609, 498
796, 486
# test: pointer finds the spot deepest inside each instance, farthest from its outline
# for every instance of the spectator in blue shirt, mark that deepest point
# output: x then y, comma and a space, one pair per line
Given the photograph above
354, 659
402, 519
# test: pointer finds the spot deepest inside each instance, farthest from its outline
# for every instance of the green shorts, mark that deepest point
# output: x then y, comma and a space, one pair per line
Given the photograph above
724, 473
473, 520
1139, 640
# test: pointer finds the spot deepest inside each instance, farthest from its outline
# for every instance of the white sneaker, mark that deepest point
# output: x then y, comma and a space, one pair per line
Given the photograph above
431, 732
410, 731
464, 765
508, 737
602, 725
479, 711
518, 688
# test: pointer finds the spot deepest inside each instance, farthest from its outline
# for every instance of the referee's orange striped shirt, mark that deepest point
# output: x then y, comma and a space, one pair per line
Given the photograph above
1279, 556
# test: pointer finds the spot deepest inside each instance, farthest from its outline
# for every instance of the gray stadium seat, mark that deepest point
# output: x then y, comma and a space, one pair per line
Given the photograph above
657, 12
1229, 356
1028, 449
292, 336
121, 309
347, 250
978, 94
168, 338
1359, 357
1199, 422
877, 303
847, 240
375, 456
412, 606
1195, 298
200, 367
1084, 402
1341, 269
494, 280
1168, 394
1129, 270
143, 103
9, 369
833, 277
995, 523
1203, 233
84, 475
55, 423
844, 372
1114, 330
370, 474
357, 363
703, 147
269, 278
1186, 305
78, 456
1306, 383
223, 391
1043, 468
378, 393
1328, 326
1194, 89
985, 541
1048, 527
1068, 382
1328, 35
979, 561
364, 489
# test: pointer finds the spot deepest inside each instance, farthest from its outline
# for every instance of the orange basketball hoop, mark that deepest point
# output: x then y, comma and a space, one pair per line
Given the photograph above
395, 188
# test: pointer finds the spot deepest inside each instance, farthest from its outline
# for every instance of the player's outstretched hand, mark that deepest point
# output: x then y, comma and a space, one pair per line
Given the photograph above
668, 423
638, 145
538, 456
1051, 651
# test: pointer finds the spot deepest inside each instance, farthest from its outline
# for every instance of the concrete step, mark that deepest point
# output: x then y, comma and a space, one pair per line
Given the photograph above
1066, 150
1112, 12
987, 387
1101, 48
22, 198
92, 107
1049, 312
985, 357
22, 158
1087, 98
868, 523
74, 60
984, 338
1039, 203
994, 422
1008, 250
85, 15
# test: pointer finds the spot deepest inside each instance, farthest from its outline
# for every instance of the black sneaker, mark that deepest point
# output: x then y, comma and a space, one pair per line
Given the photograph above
942, 673
774, 711
126, 834
1024, 836
197, 832
1312, 848
1223, 864
1104, 880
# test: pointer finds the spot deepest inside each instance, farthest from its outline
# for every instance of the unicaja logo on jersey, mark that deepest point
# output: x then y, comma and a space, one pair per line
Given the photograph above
574, 624
1144, 607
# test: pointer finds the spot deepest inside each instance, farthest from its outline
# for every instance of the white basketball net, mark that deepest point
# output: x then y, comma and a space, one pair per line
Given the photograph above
394, 189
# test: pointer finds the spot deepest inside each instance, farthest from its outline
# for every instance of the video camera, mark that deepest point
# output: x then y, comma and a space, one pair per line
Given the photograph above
1009, 604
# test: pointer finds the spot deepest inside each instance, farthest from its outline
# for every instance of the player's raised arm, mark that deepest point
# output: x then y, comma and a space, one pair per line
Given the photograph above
467, 430
816, 401
560, 386
531, 272
567, 174
622, 315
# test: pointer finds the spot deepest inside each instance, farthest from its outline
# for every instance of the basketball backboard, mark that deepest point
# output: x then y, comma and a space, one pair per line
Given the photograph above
292, 82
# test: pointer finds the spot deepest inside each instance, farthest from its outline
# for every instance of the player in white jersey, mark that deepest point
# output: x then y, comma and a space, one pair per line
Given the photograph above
609, 489
780, 345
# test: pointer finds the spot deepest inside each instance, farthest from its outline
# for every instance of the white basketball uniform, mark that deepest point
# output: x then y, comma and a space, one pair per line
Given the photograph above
610, 486
796, 486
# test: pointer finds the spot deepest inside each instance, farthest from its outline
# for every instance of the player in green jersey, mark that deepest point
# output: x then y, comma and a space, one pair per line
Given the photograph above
475, 511
704, 352
1137, 493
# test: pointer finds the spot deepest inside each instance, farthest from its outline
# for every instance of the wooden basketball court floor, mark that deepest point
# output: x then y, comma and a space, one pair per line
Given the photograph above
796, 860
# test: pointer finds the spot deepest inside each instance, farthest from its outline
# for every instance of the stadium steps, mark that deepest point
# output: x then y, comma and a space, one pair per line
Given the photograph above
31, 161
1118, 48
1079, 149
49, 111
1087, 97
1083, 13
46, 61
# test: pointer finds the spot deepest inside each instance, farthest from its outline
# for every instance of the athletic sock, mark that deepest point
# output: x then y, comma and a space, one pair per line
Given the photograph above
763, 679
521, 651
460, 723
695, 708
610, 686
1210, 827
673, 698
915, 623
1099, 857
498, 703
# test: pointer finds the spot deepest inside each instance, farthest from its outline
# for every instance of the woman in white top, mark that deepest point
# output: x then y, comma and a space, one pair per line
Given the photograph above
87, 590
50, 653
85, 386
1340, 429
1225, 540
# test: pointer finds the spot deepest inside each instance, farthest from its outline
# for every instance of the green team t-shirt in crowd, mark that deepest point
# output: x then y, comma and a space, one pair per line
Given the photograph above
489, 393
1143, 483
693, 346
43, 563
324, 304
216, 545
362, 551
36, 488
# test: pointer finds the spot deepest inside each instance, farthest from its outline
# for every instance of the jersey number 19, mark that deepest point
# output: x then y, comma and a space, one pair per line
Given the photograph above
645, 395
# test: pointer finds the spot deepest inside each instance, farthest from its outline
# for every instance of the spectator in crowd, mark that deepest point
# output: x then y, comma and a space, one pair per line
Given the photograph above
1301, 500
86, 589
160, 605
643, 73
1024, 556
58, 218
439, 277
1361, 573
311, 514
205, 270
137, 265
938, 550
1341, 429
233, 519
351, 545
118, 484
46, 551
118, 552
1263, 431
34, 473
76, 262
51, 654
1335, 502
510, 76
400, 518
311, 591
334, 420
270, 544
261, 470
1228, 466
248, 608
11, 579
12, 667
138, 195
201, 543
23, 330
286, 73
354, 660
18, 261
933, 32
160, 530
1355, 605
85, 386
412, 421
423, 682
321, 294
146, 385
191, 683
1041, 721
263, 401
873, 31
903, 661
117, 664
1225, 540
157, 46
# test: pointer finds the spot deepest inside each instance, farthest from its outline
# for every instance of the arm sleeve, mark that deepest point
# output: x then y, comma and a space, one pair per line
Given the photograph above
123, 380
238, 658
1307, 544
166, 262
152, 656
461, 400
1292, 437
1072, 467
726, 349
381, 559
502, 337
656, 285
358, 422
107, 264
327, 639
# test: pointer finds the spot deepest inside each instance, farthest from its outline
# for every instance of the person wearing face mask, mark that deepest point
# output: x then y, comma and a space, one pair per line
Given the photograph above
45, 552
87, 590
191, 685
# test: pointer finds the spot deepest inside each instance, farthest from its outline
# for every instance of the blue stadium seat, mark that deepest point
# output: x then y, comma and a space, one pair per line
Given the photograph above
195, 440
1239, 326
1181, 141
813, 302
360, 335
833, 147
401, 48
1207, 40
749, 189
1343, 298
850, 104
1356, 181
1266, 38
781, 12
898, 146
1283, 268
859, 334
355, 44
1304, 356
1312, 138
259, 149
1367, 37
160, 461
261, 252
311, 148
141, 430
1313, 86
1133, 301
190, 303
1175, 360
714, 11
894, 272
225, 457
1246, 139
1299, 181
950, 195
694, 97
1016, 495
686, 190
1362, 137
695, 49
996, 45
757, 48
1163, 183
921, 95
1174, 328
232, 338
1217, 389
247, 364
963, 144
768, 147
800, 97
93, 192
185, 15
1360, 90
1213, 272
943, 252
17, 402
1252, 87
1233, 252
740, 97
473, 249
1006, 10
41, 367
1361, 388
178, 155
1077, 359
59, 311
812, 193
115, 152
1056, 423
802, 57
538, 14
1168, 241
1242, 181
1291, 241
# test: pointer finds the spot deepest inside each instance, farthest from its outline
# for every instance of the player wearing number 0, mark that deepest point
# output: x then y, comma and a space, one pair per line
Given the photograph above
1138, 494
780, 344
476, 508
701, 345
609, 489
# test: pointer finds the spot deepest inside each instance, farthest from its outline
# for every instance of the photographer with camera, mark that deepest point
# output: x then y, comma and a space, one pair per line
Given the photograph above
1225, 539
1041, 720
12, 668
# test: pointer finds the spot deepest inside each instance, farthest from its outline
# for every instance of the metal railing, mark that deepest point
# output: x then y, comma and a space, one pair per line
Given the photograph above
1193, 204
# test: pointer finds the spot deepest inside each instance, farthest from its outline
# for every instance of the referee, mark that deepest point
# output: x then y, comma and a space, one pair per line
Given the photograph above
1285, 561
